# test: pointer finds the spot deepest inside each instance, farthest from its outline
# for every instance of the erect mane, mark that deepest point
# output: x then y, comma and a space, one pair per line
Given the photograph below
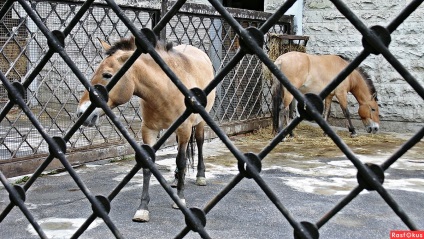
368, 81
366, 78
125, 44
128, 44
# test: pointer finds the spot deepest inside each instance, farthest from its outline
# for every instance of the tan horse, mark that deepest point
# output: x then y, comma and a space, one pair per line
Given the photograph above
161, 102
311, 74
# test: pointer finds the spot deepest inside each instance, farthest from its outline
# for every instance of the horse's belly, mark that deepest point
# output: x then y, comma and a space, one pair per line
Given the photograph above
308, 88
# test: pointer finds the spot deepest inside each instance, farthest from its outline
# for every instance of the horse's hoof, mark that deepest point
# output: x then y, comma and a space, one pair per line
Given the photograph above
353, 135
141, 216
201, 181
173, 183
175, 206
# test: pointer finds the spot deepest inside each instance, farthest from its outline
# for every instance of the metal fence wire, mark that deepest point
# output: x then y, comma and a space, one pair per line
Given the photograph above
54, 91
370, 176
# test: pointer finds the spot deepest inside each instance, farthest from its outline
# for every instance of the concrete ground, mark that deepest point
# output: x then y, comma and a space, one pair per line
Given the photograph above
308, 188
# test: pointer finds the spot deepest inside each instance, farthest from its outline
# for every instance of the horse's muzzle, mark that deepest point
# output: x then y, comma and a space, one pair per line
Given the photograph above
372, 128
92, 119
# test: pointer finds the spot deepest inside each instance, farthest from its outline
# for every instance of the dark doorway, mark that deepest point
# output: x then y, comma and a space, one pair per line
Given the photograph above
257, 5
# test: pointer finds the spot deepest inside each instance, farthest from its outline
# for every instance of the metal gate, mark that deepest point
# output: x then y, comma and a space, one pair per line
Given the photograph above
369, 176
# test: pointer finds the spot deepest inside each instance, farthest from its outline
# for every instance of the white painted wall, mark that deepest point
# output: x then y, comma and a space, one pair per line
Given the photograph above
296, 10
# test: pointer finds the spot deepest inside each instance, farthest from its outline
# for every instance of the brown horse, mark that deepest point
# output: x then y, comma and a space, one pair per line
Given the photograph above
311, 74
161, 102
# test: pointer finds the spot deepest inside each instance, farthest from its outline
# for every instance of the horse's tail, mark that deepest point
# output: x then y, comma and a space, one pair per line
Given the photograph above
277, 96
191, 147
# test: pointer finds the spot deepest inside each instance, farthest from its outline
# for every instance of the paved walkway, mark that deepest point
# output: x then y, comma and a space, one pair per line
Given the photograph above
307, 188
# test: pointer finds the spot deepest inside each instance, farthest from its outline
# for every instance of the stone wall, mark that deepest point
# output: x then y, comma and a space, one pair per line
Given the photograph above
331, 33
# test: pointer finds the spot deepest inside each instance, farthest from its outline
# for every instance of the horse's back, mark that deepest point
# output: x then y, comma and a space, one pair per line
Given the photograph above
196, 64
327, 67
194, 68
310, 73
194, 53
295, 66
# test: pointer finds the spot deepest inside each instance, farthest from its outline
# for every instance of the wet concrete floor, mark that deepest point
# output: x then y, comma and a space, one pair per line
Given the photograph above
308, 174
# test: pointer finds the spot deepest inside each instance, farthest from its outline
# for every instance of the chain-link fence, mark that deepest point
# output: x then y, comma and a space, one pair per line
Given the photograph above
54, 92
249, 43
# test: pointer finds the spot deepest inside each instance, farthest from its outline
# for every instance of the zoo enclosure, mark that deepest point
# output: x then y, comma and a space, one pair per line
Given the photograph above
242, 97
369, 176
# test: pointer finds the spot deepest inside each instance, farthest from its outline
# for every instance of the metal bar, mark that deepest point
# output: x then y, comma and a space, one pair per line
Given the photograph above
26, 84
252, 46
340, 205
343, 74
147, 46
5, 8
59, 154
111, 196
168, 15
20, 203
281, 135
211, 204
270, 22
405, 147
378, 45
410, 8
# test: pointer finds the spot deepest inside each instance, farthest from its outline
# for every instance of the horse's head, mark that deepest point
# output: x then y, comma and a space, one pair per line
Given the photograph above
121, 92
369, 113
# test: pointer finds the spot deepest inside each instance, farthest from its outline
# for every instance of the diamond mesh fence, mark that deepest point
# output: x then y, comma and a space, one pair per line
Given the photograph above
48, 82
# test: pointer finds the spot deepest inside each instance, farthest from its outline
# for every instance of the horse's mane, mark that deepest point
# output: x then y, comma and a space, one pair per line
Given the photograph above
127, 44
369, 82
365, 76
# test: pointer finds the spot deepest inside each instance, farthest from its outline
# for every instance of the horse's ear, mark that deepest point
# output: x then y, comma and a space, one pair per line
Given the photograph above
374, 96
104, 44
124, 57
132, 41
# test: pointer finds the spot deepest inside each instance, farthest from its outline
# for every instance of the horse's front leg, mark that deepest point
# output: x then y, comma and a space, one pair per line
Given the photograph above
142, 213
181, 169
350, 127
343, 105
200, 138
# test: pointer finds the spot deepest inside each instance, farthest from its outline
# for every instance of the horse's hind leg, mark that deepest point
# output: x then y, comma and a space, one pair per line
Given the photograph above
277, 94
327, 109
288, 104
291, 114
181, 160
200, 138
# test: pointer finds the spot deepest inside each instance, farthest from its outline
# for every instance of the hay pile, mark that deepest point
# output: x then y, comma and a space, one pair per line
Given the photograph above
279, 44
314, 135
310, 142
